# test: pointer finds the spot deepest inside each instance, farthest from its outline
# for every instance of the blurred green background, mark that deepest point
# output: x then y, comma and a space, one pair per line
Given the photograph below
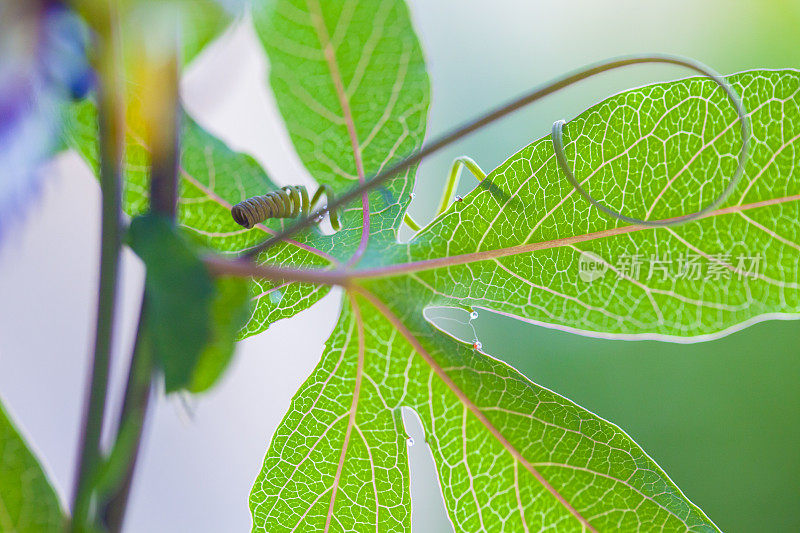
722, 417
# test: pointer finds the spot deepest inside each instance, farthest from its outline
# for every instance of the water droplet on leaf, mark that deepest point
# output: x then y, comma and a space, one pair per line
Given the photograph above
276, 296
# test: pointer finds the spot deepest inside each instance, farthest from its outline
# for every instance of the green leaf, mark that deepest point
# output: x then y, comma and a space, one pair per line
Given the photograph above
28, 502
178, 297
338, 461
229, 313
192, 320
510, 454
350, 81
655, 152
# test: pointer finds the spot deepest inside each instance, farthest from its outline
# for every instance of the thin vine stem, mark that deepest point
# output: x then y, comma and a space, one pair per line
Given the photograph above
138, 390
454, 176
164, 169
219, 266
111, 118
345, 277
470, 127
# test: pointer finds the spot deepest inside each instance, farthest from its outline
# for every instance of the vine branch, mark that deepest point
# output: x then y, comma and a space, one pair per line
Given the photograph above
163, 120
111, 119
470, 127
219, 266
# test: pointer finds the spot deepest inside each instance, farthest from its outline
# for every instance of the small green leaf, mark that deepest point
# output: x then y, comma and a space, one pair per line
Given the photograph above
192, 320
178, 298
229, 313
28, 502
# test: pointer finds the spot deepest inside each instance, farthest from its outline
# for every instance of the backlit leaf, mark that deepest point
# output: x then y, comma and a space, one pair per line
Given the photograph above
350, 82
512, 456
28, 502
656, 152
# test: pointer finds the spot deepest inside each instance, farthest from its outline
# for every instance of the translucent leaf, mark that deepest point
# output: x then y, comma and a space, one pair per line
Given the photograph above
28, 502
350, 81
657, 152
512, 456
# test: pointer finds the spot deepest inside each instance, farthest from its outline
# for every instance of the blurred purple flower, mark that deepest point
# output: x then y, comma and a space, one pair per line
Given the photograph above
42, 65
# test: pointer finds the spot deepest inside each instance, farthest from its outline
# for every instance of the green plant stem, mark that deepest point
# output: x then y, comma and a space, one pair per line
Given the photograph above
138, 390
164, 141
411, 223
449, 188
111, 126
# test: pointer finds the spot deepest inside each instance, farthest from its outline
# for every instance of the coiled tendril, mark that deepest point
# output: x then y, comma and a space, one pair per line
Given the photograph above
534, 95
286, 202
558, 147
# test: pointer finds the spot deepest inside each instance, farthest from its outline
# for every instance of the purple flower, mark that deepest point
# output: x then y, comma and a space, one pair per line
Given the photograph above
42, 65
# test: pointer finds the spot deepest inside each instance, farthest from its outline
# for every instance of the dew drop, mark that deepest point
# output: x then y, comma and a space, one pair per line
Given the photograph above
473, 315
477, 345
276, 296
459, 198
412, 195
410, 441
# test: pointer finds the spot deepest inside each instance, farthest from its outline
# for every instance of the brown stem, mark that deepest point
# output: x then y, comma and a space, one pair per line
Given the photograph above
244, 268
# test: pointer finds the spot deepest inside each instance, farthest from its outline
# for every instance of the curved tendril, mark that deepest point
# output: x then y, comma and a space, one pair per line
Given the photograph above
287, 202
558, 147
453, 178
491, 116
333, 215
